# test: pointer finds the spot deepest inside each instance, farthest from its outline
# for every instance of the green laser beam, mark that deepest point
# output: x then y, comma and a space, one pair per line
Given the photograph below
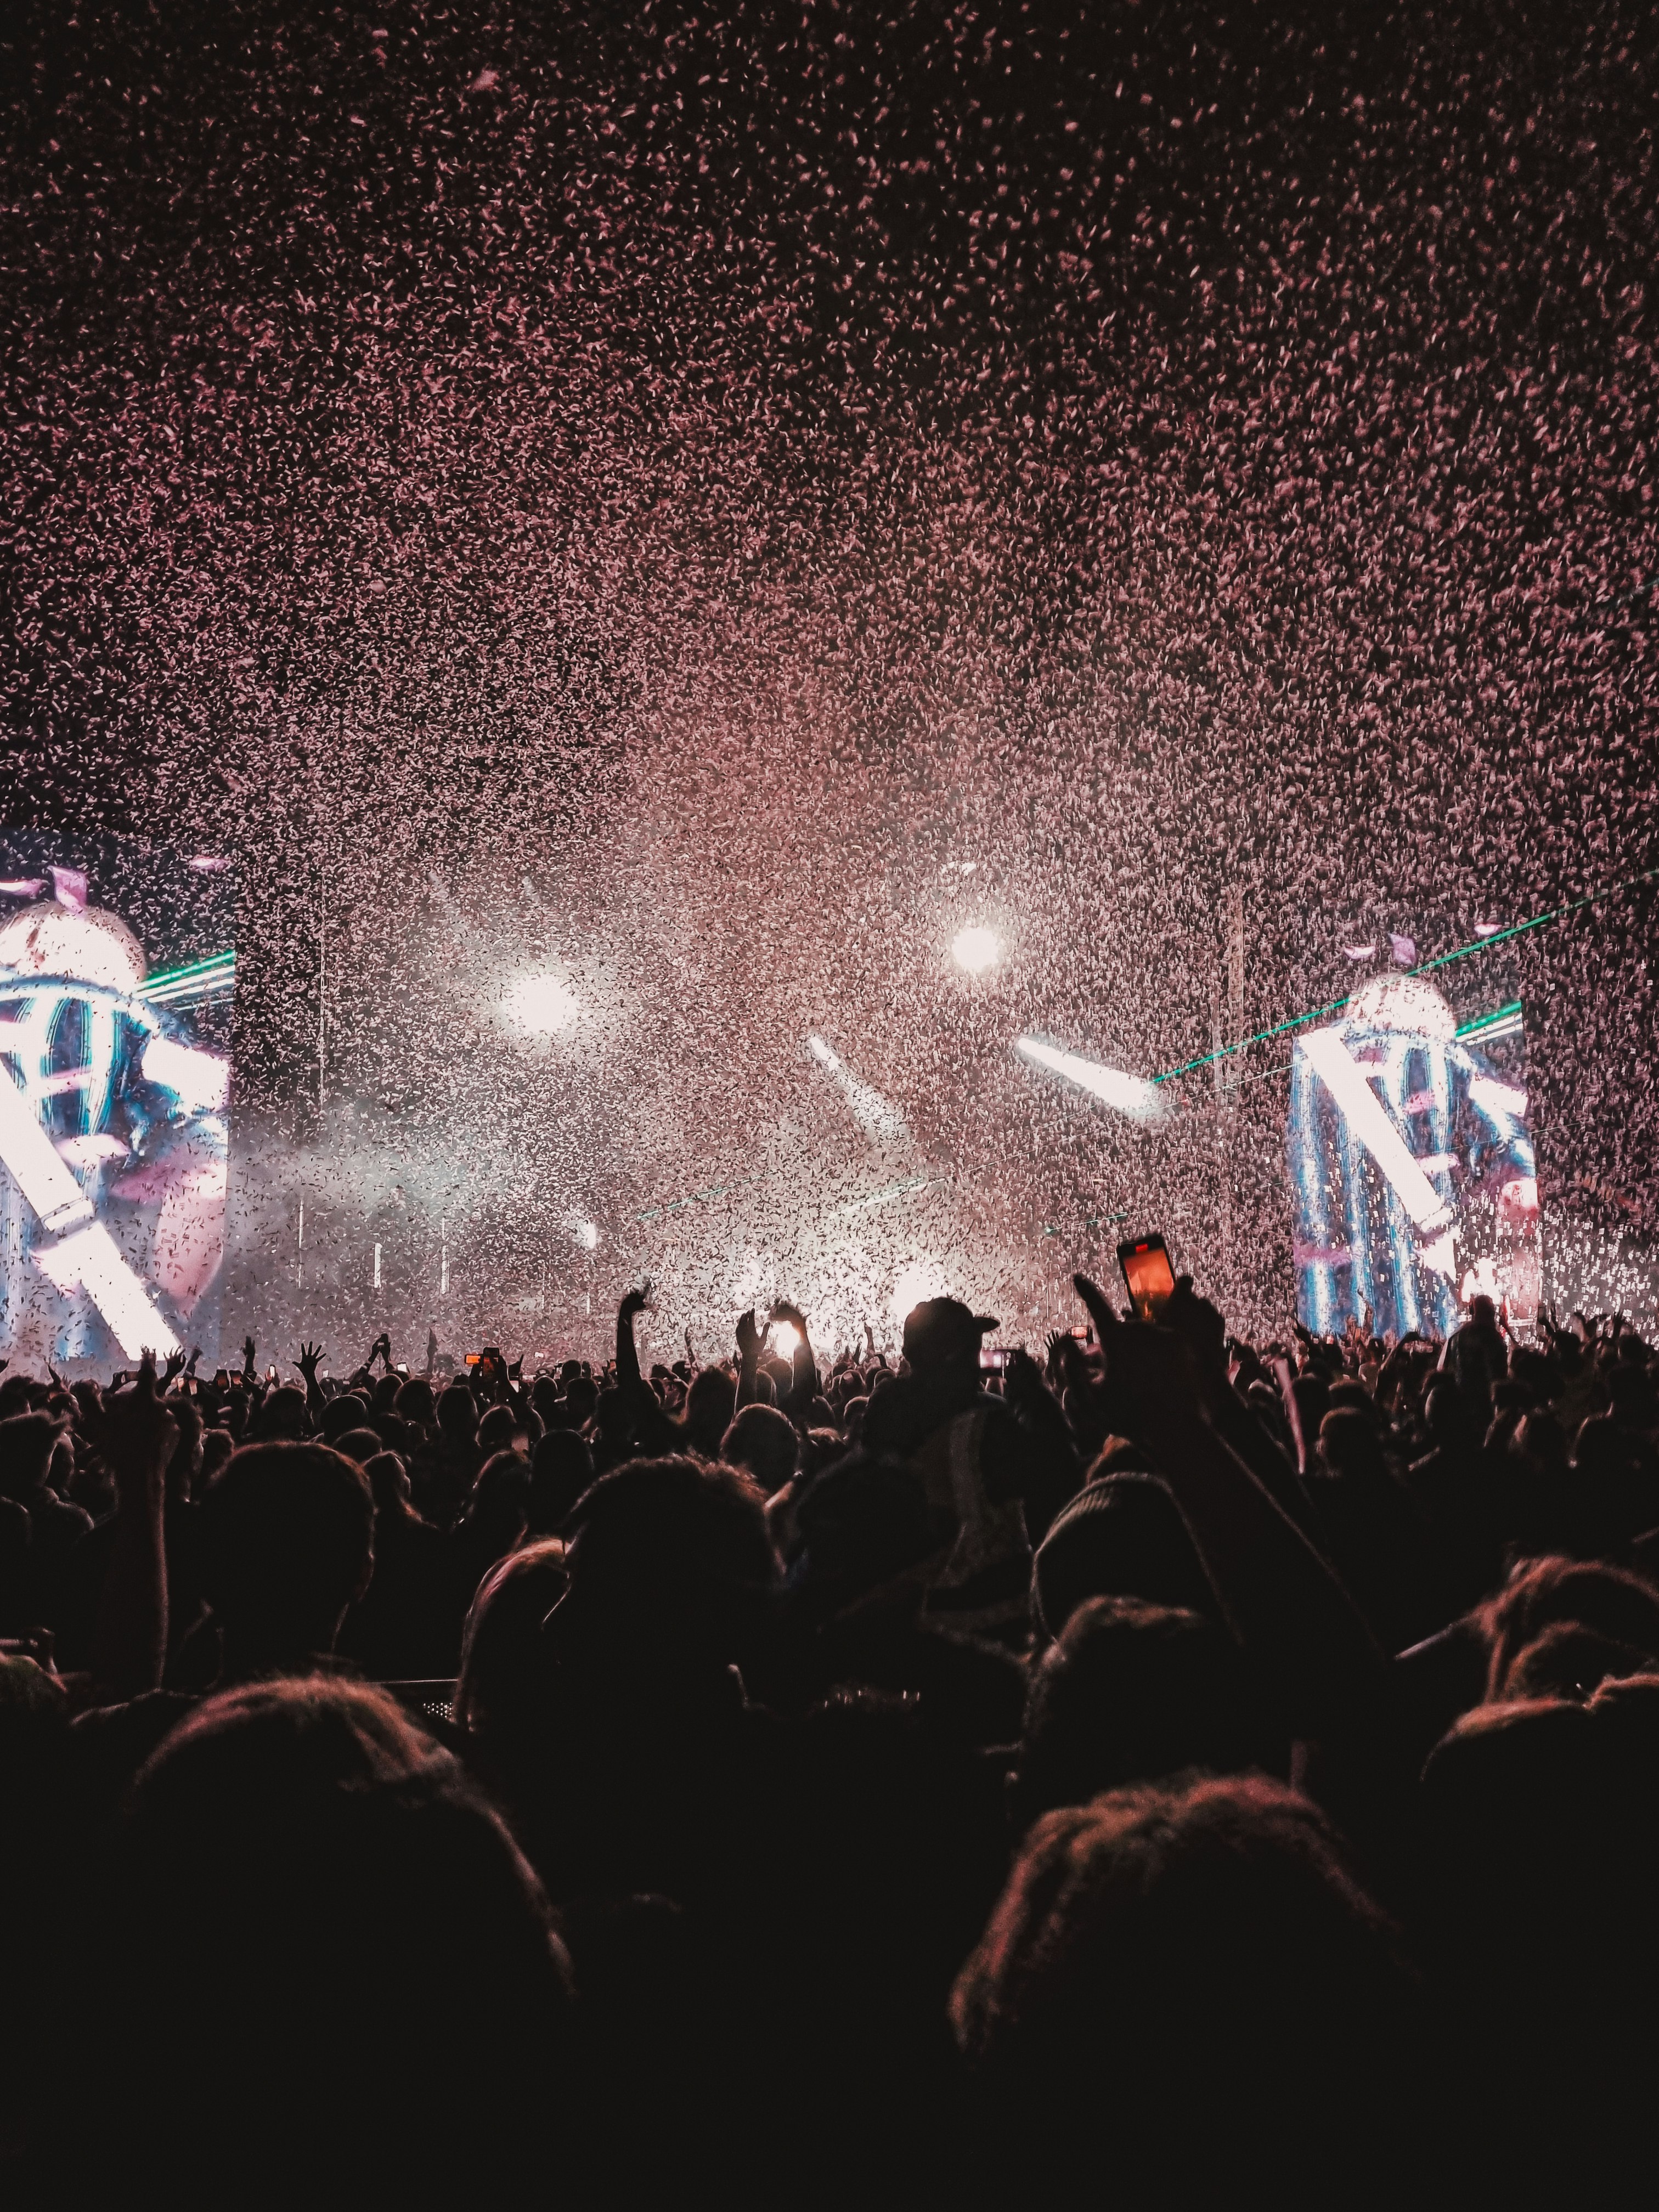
166, 976
1484, 1022
1440, 960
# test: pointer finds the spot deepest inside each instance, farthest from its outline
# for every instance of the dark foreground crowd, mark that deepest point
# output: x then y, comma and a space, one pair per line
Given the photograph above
1160, 1767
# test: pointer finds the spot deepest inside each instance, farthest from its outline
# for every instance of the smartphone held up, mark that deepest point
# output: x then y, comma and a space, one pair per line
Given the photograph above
1147, 1273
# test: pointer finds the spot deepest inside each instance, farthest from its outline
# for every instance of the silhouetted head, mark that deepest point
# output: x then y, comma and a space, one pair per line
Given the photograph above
388, 1481
942, 1339
763, 1442
670, 1561
318, 1880
281, 1417
28, 1442
1349, 1446
457, 1413
498, 1508
708, 1407
561, 1468
1128, 1691
501, 1643
349, 1411
414, 1402
288, 1532
1154, 1954
1614, 1604
1121, 1536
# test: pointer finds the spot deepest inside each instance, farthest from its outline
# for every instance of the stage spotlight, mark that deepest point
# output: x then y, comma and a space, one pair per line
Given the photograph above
976, 949
540, 1005
785, 1338
1129, 1094
879, 1118
914, 1283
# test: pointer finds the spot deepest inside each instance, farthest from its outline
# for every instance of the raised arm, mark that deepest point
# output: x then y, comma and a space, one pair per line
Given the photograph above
135, 1435
310, 1355
803, 1367
1286, 1607
748, 1352
652, 1430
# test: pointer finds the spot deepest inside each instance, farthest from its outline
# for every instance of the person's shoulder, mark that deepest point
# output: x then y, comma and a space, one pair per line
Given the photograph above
114, 1741
1002, 1426
892, 1414
63, 1517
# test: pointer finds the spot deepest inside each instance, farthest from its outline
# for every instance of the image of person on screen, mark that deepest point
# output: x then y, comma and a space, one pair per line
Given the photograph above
1412, 1169
134, 1107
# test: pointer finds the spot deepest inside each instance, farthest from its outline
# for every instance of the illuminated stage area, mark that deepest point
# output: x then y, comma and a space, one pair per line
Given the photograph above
1386, 1136
1400, 1181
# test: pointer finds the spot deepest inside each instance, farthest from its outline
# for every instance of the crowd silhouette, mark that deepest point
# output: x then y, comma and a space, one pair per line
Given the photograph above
1154, 1763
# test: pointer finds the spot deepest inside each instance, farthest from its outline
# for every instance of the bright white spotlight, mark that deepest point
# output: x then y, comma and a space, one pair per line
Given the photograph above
1129, 1094
976, 949
785, 1338
540, 1005
914, 1283
587, 1235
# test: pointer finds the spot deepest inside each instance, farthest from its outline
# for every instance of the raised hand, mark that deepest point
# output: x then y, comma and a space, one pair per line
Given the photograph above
749, 1337
174, 1368
636, 1301
136, 1436
1151, 1372
1021, 1377
310, 1355
133, 1432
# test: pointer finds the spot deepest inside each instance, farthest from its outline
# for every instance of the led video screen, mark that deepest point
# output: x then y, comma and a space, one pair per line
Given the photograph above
117, 971
1411, 1168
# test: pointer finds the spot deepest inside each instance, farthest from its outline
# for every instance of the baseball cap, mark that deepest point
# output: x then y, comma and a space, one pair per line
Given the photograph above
944, 1328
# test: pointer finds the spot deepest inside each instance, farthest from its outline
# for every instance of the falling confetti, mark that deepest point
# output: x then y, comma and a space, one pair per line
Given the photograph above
638, 533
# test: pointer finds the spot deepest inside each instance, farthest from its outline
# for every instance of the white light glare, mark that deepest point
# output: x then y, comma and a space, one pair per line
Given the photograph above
785, 1337
587, 1235
540, 1005
1129, 1094
916, 1282
976, 949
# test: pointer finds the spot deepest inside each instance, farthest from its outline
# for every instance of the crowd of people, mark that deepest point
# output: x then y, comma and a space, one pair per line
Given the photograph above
1151, 1762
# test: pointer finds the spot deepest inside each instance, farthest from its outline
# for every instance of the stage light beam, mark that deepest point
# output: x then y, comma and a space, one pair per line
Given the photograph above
1128, 1094
875, 1114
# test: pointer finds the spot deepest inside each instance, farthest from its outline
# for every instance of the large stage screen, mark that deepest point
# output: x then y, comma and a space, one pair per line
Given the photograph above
1412, 1167
116, 968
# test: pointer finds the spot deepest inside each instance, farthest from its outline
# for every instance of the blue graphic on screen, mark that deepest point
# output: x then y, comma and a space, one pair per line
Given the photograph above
1412, 1166
114, 1101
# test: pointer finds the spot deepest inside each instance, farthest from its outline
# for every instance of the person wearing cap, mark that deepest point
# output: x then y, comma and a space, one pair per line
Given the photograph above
973, 1458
